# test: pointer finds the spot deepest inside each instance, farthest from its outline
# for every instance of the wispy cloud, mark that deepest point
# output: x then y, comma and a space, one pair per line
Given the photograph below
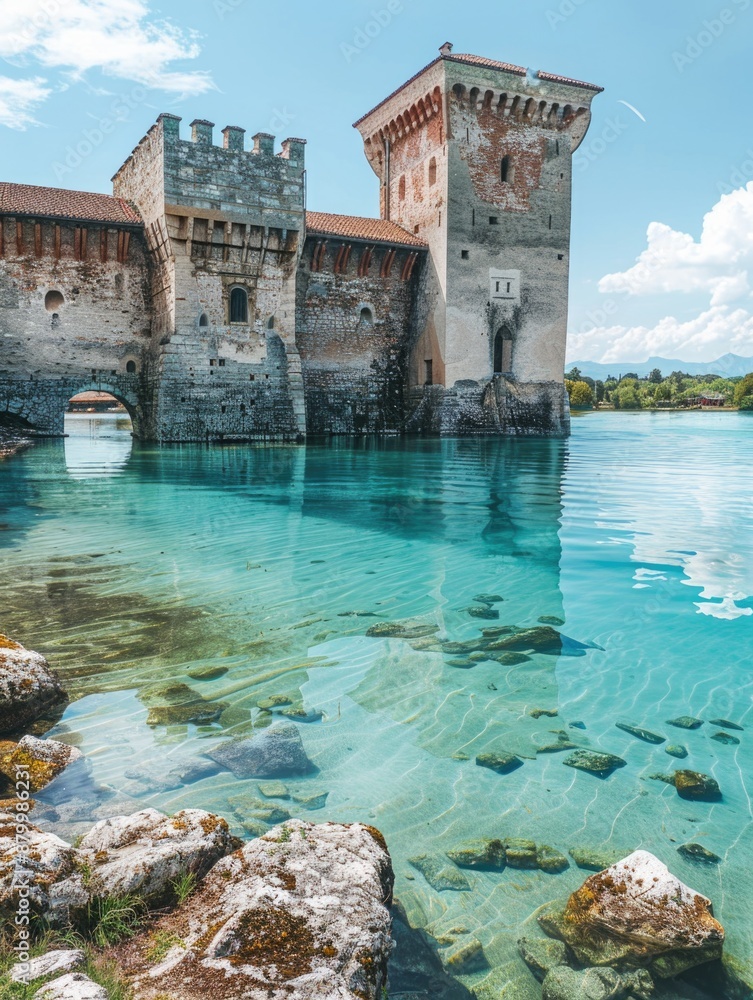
18, 99
122, 39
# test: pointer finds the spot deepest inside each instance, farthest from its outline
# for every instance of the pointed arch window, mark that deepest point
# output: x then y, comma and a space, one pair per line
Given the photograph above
503, 352
239, 305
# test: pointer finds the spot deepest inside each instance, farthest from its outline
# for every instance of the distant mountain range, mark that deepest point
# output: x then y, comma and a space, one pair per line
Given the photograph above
727, 366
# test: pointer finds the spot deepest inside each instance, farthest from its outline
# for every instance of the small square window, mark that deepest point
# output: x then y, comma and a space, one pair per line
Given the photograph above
493, 220
211, 362
560, 256
251, 378
464, 254
222, 362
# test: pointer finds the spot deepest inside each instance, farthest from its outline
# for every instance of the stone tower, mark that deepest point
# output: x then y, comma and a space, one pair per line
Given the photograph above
225, 226
475, 156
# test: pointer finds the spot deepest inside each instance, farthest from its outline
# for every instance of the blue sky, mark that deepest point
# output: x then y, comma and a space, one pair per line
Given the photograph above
669, 193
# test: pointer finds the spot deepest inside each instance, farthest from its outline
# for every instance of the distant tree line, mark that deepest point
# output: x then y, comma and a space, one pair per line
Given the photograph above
629, 392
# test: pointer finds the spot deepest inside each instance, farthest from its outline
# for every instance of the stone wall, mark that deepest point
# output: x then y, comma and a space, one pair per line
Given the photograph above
74, 315
352, 335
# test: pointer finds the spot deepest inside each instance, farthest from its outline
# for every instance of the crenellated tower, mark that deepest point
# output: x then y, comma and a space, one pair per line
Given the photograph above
475, 156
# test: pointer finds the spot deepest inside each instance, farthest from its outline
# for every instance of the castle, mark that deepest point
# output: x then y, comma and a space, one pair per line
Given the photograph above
206, 297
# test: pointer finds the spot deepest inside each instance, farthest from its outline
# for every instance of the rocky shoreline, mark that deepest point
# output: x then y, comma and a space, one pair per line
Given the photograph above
177, 907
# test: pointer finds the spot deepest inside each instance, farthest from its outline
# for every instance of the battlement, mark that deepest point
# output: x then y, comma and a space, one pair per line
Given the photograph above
257, 185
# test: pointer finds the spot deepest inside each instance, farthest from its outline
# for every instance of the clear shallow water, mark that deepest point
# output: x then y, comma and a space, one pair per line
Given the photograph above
128, 565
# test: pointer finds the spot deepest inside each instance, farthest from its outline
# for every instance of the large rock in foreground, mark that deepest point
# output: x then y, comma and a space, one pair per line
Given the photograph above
28, 688
40, 761
300, 913
637, 914
140, 855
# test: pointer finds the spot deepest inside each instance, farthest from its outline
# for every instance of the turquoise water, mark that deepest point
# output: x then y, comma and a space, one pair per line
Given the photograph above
127, 565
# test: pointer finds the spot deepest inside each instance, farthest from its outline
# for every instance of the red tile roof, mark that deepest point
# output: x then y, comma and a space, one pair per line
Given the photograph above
520, 70
489, 64
356, 227
58, 203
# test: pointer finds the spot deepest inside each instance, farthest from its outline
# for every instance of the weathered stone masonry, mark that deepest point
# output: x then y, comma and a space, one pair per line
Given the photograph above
206, 298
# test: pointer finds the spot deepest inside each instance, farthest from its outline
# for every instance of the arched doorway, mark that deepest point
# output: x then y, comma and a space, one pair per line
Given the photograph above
503, 352
99, 434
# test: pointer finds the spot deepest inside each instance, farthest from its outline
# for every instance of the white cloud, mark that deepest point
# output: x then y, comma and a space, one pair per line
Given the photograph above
718, 264
716, 331
675, 262
18, 99
120, 38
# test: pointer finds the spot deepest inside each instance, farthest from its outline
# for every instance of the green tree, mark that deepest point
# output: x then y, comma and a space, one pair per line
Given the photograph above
743, 389
581, 394
626, 396
573, 375
655, 376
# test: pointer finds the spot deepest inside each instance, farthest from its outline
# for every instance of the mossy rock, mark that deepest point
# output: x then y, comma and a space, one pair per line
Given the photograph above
439, 874
485, 855
208, 673
685, 722
489, 598
482, 611
676, 750
699, 854
727, 739
277, 701
696, 786
596, 859
551, 620
550, 860
199, 712
599, 764
386, 630
501, 761
510, 659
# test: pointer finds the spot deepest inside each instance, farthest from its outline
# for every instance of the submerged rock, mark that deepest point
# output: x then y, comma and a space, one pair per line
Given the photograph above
482, 611
543, 954
494, 631
275, 752
313, 799
685, 722
694, 785
520, 853
563, 983
501, 762
41, 760
697, 852
637, 914
415, 970
28, 687
510, 659
274, 790
676, 750
248, 807
726, 724
489, 598
600, 764
595, 859
298, 913
276, 701
209, 673
301, 714
466, 957
486, 855
642, 734
461, 664
386, 630
537, 713
439, 874
726, 738
550, 860
540, 639
551, 620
